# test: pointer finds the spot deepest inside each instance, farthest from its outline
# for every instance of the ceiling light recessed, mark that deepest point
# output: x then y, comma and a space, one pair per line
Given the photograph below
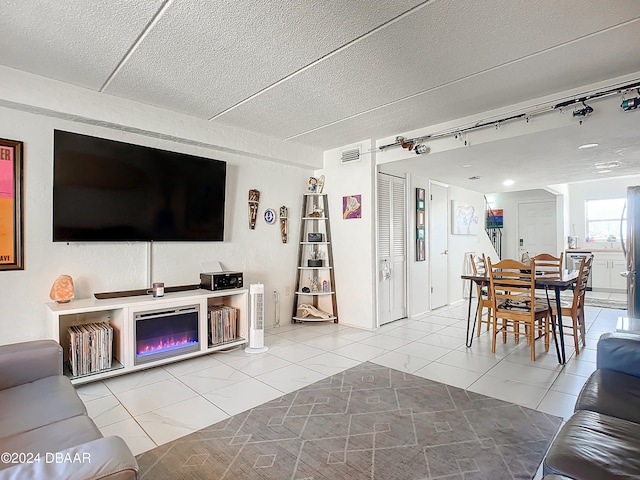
508, 182
468, 165
607, 165
588, 145
604, 171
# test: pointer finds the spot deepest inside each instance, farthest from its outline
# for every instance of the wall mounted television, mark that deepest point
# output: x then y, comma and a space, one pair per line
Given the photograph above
106, 191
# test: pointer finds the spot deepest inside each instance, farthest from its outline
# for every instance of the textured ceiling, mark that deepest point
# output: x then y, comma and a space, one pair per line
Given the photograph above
324, 73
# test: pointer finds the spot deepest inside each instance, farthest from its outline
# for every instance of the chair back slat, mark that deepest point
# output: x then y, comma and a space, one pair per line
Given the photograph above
549, 264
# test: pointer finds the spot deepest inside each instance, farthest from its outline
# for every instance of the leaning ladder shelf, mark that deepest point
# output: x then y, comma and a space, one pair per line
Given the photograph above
315, 280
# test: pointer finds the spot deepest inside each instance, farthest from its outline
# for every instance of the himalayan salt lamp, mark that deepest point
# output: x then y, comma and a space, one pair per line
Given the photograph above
62, 289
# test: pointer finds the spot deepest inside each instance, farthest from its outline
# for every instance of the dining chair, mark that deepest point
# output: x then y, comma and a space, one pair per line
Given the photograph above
548, 264
574, 312
479, 265
512, 289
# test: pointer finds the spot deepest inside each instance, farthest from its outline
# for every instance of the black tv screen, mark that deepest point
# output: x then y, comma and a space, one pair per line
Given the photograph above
104, 191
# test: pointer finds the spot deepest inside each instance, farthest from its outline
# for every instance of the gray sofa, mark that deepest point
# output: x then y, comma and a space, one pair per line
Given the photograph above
45, 432
602, 439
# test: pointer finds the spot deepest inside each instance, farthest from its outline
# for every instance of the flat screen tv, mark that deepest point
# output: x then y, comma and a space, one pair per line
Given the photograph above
105, 191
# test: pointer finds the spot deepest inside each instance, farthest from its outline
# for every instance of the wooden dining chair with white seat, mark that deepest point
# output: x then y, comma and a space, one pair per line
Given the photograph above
573, 312
479, 266
512, 289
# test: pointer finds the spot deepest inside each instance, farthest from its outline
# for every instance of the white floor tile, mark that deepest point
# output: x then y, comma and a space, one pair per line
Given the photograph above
253, 365
106, 410
91, 391
360, 351
137, 379
192, 365
509, 391
242, 396
423, 350
174, 421
386, 342
584, 369
213, 378
401, 361
454, 376
443, 341
568, 383
407, 333
132, 433
155, 395
295, 353
327, 342
329, 363
529, 374
468, 361
355, 335
290, 378
558, 403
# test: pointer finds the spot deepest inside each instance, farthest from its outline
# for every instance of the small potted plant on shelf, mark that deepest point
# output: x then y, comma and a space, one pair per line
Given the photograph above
315, 257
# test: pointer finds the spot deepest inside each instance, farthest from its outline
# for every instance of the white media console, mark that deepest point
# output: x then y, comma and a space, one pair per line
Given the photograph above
122, 314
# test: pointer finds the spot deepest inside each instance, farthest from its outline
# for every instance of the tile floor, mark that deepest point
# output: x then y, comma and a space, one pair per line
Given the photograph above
155, 406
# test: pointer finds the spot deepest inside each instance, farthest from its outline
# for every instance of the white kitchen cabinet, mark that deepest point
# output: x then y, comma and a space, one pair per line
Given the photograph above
605, 272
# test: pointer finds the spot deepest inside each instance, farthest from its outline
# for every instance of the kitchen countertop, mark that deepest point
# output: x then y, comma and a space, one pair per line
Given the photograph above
597, 250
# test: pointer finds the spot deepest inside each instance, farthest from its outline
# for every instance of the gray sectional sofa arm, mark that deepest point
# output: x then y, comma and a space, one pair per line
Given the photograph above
104, 458
26, 362
619, 352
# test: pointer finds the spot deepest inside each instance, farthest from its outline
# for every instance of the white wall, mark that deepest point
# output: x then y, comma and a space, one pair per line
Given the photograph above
353, 240
105, 267
461, 245
579, 193
509, 202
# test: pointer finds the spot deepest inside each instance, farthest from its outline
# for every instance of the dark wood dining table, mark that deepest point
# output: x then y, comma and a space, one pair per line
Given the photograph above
559, 282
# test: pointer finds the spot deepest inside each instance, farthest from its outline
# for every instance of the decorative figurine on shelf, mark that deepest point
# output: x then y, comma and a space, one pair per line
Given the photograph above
284, 214
306, 310
320, 184
314, 285
316, 212
254, 198
315, 257
313, 184
62, 290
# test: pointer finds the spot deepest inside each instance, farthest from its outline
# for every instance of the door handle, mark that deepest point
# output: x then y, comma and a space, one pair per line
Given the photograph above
446, 252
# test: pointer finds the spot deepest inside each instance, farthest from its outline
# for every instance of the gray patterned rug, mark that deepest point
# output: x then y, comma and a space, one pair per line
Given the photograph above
368, 422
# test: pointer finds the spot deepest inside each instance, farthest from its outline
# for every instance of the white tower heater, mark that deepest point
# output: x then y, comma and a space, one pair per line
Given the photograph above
256, 329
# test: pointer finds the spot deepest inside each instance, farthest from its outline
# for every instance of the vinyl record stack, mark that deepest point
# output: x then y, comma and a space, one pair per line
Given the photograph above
223, 323
90, 348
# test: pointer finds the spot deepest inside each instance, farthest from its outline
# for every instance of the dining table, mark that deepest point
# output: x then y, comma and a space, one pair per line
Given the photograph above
544, 280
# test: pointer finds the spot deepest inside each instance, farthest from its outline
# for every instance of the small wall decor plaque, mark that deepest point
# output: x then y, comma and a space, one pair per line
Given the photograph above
254, 198
270, 216
352, 206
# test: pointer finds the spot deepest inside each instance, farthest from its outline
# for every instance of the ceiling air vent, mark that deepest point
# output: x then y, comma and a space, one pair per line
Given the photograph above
475, 177
349, 156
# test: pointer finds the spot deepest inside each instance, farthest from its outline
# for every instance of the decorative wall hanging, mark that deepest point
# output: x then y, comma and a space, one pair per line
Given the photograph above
254, 198
284, 215
351, 206
313, 185
495, 218
270, 216
11, 252
465, 218
420, 221
320, 185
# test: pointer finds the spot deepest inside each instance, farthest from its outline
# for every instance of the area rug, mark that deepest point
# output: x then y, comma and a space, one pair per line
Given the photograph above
598, 302
368, 422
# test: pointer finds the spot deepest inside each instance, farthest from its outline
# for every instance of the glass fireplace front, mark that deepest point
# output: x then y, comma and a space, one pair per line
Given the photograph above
165, 333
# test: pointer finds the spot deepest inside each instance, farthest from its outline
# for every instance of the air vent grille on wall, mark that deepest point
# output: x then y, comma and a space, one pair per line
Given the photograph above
352, 155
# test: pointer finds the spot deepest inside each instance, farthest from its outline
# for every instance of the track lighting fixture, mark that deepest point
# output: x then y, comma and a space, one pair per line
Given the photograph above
630, 104
421, 148
583, 112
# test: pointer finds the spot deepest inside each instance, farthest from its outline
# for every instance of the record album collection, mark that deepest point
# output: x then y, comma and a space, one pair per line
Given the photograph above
223, 321
90, 348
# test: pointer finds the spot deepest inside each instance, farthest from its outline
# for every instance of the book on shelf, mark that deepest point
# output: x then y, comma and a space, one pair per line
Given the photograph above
223, 323
90, 348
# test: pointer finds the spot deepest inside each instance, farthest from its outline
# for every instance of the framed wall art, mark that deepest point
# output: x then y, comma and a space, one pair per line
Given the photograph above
352, 206
11, 253
420, 221
465, 218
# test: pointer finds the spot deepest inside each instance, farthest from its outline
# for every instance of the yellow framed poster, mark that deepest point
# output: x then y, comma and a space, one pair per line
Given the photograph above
11, 252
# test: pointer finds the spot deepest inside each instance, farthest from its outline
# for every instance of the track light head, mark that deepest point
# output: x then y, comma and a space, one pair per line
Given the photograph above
630, 104
583, 112
421, 148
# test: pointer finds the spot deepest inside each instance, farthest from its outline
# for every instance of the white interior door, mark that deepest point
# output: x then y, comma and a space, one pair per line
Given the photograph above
438, 245
392, 248
537, 229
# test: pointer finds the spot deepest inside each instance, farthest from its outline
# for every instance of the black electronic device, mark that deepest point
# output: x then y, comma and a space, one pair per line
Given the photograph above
314, 237
220, 280
104, 190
